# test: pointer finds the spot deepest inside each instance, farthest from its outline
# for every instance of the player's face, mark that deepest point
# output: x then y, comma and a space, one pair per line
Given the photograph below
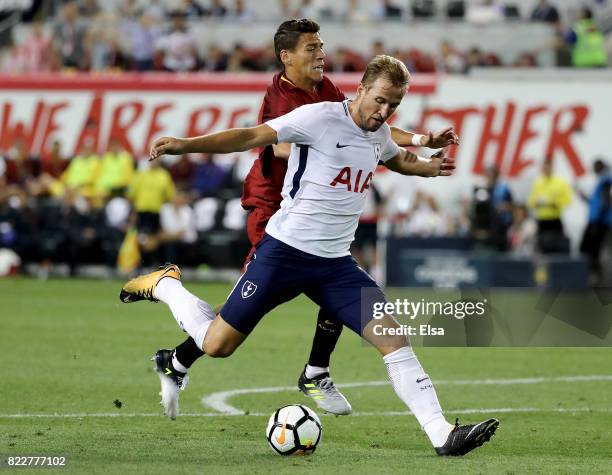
306, 60
377, 102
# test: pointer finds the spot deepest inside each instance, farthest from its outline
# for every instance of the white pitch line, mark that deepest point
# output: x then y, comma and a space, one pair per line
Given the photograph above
219, 401
492, 410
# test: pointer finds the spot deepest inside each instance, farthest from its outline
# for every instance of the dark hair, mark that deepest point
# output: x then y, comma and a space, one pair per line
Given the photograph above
288, 34
388, 67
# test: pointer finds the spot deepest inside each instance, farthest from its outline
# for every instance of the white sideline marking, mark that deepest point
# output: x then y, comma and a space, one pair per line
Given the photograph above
219, 401
495, 410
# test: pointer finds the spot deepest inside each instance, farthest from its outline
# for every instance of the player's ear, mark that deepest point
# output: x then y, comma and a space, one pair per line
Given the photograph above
360, 89
285, 57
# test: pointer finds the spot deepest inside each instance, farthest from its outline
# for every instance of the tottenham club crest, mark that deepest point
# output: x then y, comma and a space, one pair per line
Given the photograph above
248, 289
377, 151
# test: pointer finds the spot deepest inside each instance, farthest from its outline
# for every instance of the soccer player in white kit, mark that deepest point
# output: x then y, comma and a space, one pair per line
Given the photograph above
336, 148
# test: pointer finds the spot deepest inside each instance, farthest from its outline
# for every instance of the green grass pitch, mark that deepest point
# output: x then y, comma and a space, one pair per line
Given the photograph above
70, 349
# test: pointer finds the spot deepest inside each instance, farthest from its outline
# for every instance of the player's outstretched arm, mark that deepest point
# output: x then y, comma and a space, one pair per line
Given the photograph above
228, 141
407, 163
405, 138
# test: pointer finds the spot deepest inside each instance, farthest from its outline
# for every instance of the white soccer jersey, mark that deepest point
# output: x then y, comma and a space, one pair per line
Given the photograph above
330, 168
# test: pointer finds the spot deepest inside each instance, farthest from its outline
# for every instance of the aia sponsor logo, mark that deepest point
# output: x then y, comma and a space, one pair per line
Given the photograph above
353, 180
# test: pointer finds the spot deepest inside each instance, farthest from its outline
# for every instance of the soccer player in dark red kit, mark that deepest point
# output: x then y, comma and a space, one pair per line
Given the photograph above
299, 48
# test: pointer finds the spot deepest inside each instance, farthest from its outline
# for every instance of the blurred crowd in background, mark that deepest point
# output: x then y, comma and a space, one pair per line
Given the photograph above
187, 210
95, 207
135, 35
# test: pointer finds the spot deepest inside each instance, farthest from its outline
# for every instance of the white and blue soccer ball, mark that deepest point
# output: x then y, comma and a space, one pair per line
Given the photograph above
294, 430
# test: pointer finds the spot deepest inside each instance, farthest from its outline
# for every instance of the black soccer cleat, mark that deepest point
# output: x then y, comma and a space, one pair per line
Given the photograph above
172, 382
464, 439
163, 365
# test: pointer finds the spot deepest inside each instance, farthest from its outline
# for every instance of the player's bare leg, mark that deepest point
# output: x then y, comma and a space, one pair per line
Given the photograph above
415, 388
221, 339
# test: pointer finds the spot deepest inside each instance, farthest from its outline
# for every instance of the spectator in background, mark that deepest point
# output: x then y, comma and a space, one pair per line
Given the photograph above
563, 51
525, 60
426, 218
523, 232
267, 58
484, 12
285, 11
116, 170
53, 161
242, 60
587, 42
178, 230
130, 9
357, 13
377, 47
449, 60
68, 36
474, 59
216, 59
391, 11
545, 12
345, 61
182, 170
218, 9
208, 178
600, 218
193, 10
20, 170
53, 165
14, 60
151, 187
306, 9
492, 210
142, 35
102, 45
549, 196
156, 10
82, 226
88, 8
37, 50
241, 13
116, 217
82, 172
178, 46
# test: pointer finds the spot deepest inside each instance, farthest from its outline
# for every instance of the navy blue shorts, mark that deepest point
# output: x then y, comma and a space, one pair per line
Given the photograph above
278, 273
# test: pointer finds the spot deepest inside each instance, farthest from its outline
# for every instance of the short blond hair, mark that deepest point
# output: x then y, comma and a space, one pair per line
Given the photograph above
388, 67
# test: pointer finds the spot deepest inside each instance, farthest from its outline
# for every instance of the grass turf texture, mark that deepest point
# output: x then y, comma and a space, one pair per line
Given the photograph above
70, 347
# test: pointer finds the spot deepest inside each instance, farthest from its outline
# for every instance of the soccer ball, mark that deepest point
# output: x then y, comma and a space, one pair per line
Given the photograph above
294, 430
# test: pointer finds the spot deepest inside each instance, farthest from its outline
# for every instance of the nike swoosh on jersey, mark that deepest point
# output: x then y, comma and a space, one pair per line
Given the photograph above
342, 146
422, 379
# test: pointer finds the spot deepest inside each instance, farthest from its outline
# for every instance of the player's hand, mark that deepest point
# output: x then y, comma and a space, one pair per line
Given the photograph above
168, 146
441, 165
440, 140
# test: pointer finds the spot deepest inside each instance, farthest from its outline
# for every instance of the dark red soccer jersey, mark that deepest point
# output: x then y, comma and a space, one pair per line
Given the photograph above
263, 184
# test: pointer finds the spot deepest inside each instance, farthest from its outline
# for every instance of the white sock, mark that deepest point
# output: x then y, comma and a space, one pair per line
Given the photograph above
414, 387
314, 371
177, 365
192, 314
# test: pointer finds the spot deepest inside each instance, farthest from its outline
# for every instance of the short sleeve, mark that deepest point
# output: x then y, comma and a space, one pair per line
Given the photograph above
390, 149
304, 125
